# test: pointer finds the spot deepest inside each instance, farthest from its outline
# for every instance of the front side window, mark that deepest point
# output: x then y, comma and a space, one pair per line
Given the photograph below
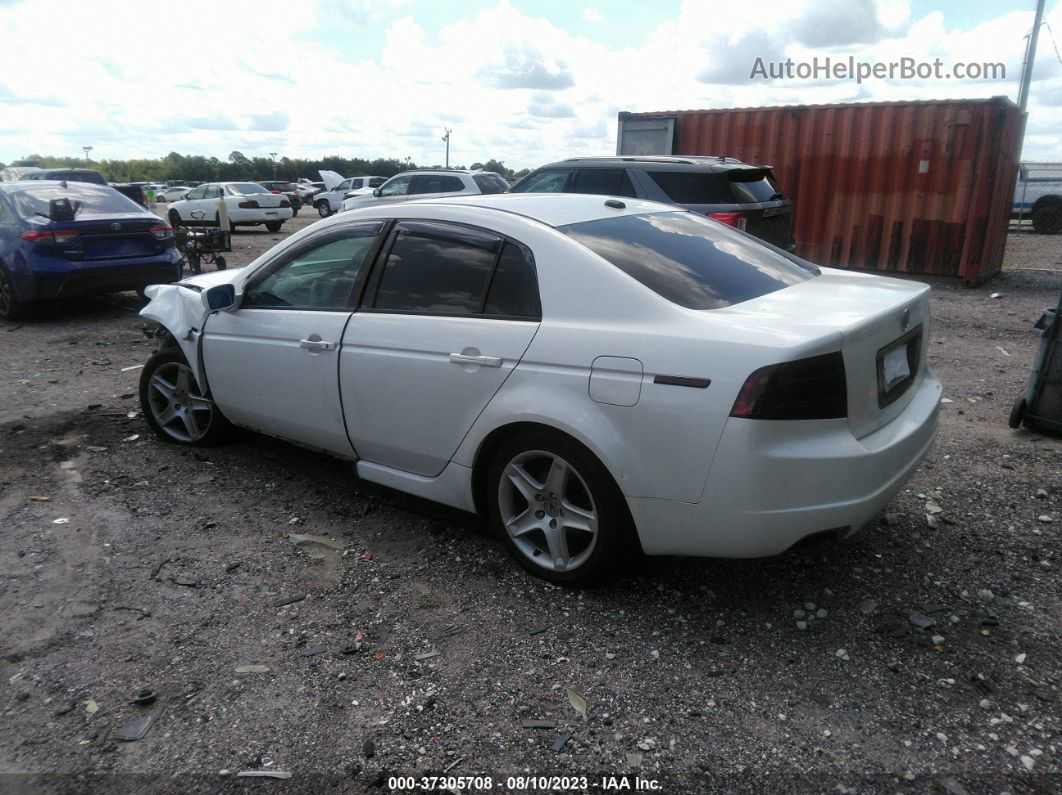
688, 259
197, 193
399, 186
437, 268
552, 180
321, 277
214, 192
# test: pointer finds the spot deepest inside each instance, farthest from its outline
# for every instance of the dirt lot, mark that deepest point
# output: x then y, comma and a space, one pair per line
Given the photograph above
417, 647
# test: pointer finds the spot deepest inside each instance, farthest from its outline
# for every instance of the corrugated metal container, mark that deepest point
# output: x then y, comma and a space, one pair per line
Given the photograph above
918, 187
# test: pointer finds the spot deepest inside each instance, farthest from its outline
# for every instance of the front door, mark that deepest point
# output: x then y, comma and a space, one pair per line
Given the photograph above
442, 325
272, 364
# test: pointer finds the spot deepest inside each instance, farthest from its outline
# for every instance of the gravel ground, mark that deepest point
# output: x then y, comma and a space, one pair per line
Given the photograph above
912, 658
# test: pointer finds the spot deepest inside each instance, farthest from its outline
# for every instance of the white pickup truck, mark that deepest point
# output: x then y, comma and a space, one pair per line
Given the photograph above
1038, 196
337, 188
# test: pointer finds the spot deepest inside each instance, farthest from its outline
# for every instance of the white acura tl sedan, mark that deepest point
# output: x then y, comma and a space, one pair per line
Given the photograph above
596, 375
247, 204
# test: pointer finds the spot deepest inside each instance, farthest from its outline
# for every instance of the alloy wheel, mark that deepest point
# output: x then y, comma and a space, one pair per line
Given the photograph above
177, 404
548, 511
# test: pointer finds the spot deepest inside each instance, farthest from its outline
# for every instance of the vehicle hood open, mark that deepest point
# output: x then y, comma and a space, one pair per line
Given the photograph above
330, 179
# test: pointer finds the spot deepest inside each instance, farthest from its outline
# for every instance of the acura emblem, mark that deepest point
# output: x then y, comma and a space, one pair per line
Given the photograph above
905, 319
116, 226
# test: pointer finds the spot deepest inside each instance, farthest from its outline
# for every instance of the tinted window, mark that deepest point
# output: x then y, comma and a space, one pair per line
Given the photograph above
688, 259
93, 177
399, 186
490, 183
320, 278
87, 199
514, 288
245, 188
602, 182
437, 183
436, 268
197, 193
376, 182
549, 181
753, 185
694, 187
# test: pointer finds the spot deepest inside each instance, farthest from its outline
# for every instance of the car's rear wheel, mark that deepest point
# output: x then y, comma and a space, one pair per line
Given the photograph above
323, 209
175, 218
10, 307
1047, 220
556, 508
175, 406
274, 226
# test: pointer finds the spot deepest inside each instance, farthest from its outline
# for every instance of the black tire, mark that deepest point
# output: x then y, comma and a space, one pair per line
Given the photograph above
195, 264
274, 226
324, 209
167, 364
219, 263
175, 218
614, 541
1017, 413
1047, 219
10, 307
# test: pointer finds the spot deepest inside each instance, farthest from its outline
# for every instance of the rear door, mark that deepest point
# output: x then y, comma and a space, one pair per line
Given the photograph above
272, 363
549, 180
447, 315
191, 202
602, 182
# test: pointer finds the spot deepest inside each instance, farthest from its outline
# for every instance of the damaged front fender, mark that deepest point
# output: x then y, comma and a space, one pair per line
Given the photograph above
179, 309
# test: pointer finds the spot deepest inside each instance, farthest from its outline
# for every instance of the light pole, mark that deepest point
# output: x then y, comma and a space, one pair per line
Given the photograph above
273, 157
447, 139
87, 150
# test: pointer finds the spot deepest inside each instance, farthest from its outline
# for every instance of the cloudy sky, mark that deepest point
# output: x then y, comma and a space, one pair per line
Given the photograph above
524, 81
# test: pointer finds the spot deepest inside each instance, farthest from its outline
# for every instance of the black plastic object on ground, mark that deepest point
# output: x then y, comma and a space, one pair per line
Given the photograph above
1040, 407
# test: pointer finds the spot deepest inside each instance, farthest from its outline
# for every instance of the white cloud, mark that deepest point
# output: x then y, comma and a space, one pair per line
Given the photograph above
592, 15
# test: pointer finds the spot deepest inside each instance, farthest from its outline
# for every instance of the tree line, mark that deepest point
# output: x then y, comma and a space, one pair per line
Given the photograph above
238, 166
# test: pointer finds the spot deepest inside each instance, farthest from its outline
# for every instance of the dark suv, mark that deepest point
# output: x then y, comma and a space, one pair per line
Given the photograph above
722, 188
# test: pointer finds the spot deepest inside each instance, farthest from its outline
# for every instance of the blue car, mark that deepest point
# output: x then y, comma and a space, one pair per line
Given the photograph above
62, 239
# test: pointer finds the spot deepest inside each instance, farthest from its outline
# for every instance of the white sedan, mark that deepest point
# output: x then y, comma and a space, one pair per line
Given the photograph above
596, 375
176, 193
247, 204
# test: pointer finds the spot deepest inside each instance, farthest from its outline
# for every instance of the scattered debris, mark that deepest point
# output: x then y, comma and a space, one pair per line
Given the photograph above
289, 600
91, 707
256, 668
537, 631
155, 573
263, 774
135, 436
1045, 518
308, 538
921, 621
996, 295
138, 728
559, 742
577, 701
145, 697
38, 498
426, 655
634, 759
1020, 659
534, 723
868, 606
313, 651
841, 654
1002, 350
61, 520
131, 367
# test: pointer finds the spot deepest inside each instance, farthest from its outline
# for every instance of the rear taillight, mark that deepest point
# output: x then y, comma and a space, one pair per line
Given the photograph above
63, 236
161, 231
251, 204
737, 220
275, 192
285, 203
38, 236
807, 389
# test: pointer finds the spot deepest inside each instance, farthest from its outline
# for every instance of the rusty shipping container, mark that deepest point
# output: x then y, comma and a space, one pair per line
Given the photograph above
913, 187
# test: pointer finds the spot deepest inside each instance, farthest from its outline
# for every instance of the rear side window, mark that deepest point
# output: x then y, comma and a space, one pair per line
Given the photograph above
436, 268
437, 183
86, 198
694, 187
376, 182
688, 259
753, 185
514, 288
552, 180
490, 183
602, 182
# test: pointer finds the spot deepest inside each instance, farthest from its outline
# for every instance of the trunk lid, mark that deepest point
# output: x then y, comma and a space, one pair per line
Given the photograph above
884, 325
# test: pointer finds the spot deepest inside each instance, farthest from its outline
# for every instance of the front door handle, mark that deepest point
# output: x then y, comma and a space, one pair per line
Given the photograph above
314, 344
482, 361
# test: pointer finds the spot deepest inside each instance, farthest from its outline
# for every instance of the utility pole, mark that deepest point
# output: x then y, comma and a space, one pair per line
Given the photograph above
447, 139
87, 150
273, 157
1030, 56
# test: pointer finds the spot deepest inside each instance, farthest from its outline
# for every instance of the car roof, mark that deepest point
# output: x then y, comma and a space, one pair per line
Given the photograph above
554, 209
46, 183
444, 171
665, 162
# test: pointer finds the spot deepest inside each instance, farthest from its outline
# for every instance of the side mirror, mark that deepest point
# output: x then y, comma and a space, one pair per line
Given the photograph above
219, 298
376, 193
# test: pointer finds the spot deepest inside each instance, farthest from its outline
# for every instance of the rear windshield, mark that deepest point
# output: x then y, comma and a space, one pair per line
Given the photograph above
245, 188
490, 183
687, 259
84, 196
738, 186
93, 177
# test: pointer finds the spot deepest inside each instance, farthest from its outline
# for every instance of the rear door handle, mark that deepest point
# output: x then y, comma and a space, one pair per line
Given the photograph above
315, 344
482, 361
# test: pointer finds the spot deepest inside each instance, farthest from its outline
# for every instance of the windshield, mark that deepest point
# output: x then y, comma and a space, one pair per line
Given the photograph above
86, 198
689, 260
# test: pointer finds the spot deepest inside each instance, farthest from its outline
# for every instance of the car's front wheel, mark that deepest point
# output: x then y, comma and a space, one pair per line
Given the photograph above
174, 405
324, 209
556, 508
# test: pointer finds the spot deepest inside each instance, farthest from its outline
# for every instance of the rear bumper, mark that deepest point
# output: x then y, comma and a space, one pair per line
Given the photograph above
773, 484
259, 216
82, 278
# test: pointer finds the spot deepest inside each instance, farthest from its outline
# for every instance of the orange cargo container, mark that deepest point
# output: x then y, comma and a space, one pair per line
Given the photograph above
913, 187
